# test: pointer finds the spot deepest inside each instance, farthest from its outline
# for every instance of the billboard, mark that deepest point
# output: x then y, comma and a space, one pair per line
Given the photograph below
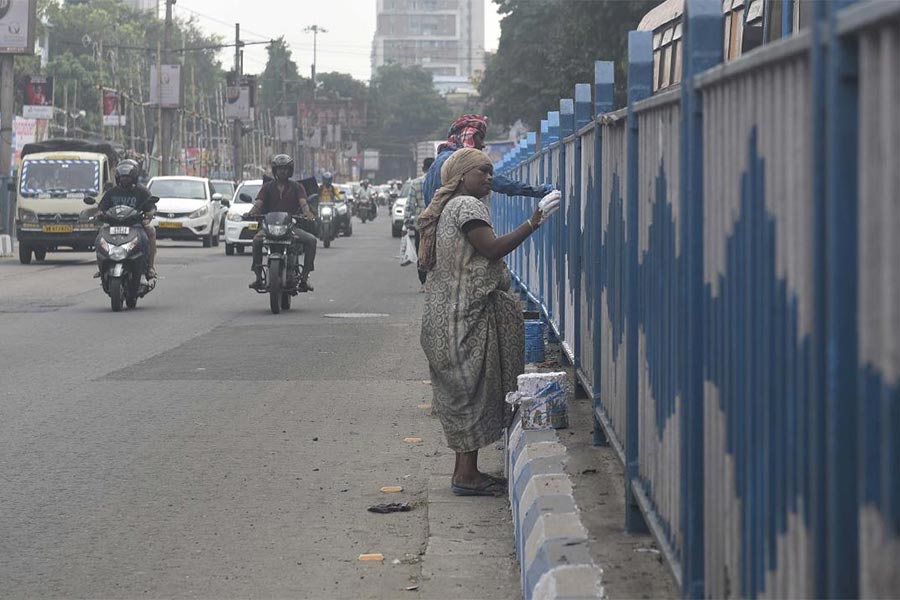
284, 129
112, 115
240, 98
38, 97
18, 20
165, 88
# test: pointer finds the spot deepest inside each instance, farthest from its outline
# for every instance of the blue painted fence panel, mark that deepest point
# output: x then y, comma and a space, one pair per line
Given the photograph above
769, 412
660, 328
879, 309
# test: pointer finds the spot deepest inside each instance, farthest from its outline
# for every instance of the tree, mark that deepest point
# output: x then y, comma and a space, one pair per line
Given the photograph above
547, 47
340, 85
281, 82
404, 108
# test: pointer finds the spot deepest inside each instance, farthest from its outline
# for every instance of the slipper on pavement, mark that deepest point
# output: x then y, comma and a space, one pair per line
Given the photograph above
490, 488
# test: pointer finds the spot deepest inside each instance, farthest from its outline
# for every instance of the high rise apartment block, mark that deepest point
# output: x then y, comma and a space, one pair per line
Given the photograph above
445, 37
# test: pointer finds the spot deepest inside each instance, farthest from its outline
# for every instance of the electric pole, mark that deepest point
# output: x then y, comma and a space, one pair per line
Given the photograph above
165, 114
316, 30
238, 73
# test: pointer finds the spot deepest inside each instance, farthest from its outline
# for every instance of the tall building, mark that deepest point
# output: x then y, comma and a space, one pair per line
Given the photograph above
445, 37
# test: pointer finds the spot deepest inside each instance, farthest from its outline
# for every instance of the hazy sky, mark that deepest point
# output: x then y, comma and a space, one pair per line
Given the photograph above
346, 47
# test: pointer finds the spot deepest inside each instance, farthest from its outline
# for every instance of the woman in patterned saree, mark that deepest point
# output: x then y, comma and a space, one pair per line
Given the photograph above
472, 326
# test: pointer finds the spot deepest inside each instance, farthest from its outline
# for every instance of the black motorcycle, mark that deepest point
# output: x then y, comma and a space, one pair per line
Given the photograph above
120, 247
281, 270
366, 209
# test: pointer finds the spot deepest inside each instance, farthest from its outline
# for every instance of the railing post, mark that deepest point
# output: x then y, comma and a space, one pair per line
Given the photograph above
551, 234
703, 47
845, 407
542, 233
563, 221
576, 227
604, 92
640, 80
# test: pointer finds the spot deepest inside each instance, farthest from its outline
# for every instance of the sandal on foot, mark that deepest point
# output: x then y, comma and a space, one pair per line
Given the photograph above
491, 487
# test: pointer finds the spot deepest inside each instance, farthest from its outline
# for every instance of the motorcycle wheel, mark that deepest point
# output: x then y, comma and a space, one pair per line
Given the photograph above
134, 288
363, 218
285, 301
327, 242
208, 240
275, 289
229, 249
116, 293
40, 254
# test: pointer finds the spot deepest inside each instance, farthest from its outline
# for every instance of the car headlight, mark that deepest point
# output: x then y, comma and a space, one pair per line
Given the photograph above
27, 216
277, 230
235, 217
200, 212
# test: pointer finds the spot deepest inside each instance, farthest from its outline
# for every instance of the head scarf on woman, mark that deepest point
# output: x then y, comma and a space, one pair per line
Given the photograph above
462, 132
453, 170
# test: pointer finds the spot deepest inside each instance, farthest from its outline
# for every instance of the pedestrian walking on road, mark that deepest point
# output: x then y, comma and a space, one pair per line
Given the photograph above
415, 204
469, 131
472, 327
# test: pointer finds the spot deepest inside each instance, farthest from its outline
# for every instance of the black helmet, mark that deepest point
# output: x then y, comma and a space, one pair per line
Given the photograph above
327, 177
130, 169
283, 161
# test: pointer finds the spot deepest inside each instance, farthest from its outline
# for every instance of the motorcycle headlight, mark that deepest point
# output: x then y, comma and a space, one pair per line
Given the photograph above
27, 216
326, 211
104, 245
118, 252
277, 230
234, 217
200, 212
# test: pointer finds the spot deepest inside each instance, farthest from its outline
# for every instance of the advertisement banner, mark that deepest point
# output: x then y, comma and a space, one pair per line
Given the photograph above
24, 132
284, 128
165, 88
18, 19
38, 97
112, 116
240, 99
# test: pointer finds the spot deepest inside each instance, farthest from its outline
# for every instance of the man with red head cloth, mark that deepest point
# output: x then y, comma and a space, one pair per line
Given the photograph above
469, 131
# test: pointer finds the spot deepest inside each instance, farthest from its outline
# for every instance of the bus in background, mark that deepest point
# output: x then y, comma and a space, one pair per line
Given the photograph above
747, 24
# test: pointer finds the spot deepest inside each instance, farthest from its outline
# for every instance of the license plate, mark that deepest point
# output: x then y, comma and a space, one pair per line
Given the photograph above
57, 228
170, 224
253, 226
120, 230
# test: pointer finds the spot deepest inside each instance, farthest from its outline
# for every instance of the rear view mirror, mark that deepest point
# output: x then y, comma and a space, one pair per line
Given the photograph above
154, 199
90, 200
225, 203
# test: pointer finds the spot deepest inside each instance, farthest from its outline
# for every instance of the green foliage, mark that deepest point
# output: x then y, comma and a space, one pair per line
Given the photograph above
281, 82
547, 47
129, 41
404, 108
340, 85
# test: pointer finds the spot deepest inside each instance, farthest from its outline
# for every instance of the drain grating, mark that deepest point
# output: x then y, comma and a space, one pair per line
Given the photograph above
356, 316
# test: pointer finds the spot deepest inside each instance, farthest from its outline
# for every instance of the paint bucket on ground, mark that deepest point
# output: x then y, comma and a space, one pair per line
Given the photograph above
534, 341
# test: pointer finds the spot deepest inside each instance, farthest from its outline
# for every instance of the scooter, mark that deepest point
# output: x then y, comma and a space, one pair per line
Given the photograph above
120, 247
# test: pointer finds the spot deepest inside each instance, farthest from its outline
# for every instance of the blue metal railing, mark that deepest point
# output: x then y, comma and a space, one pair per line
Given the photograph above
722, 275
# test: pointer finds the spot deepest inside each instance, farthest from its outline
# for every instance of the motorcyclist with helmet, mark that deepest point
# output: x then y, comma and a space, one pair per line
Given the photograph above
328, 193
283, 195
129, 192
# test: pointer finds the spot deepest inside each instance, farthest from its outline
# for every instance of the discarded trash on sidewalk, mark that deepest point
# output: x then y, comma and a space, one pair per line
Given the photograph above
392, 489
392, 507
413, 440
371, 557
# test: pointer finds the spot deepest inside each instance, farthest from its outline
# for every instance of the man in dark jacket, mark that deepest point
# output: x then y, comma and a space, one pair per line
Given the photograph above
283, 195
469, 131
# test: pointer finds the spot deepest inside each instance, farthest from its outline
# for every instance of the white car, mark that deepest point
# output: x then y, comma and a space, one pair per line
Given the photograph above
226, 188
398, 216
188, 209
398, 210
239, 232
